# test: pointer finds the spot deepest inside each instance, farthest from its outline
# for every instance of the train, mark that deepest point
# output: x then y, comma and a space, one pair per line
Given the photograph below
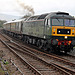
52, 32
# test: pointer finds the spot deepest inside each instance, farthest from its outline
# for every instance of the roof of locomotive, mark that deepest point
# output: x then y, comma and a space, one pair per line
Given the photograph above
48, 15
43, 16
59, 14
14, 21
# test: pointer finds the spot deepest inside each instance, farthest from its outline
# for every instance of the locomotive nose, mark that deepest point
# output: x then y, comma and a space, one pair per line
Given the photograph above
73, 42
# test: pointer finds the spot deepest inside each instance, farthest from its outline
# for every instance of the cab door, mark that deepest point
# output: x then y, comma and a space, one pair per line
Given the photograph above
48, 28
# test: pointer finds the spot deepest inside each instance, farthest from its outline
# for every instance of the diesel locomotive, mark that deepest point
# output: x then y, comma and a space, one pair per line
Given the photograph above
54, 32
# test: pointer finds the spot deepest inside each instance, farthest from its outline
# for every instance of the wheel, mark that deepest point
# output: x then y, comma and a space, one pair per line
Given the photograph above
45, 46
33, 41
30, 40
39, 44
27, 40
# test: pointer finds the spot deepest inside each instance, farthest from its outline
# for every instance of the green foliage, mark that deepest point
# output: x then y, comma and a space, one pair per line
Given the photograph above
5, 62
1, 23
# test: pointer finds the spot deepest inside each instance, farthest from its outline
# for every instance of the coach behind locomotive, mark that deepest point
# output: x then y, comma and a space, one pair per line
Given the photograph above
54, 31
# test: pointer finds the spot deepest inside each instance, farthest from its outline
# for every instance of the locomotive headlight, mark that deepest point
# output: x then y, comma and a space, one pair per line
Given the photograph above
59, 31
67, 31
73, 30
65, 37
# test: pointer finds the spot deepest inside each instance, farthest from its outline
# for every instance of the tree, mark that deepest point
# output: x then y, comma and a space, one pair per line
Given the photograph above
1, 23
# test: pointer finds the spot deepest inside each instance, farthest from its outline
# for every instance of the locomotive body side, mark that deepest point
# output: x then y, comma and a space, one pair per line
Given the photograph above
34, 28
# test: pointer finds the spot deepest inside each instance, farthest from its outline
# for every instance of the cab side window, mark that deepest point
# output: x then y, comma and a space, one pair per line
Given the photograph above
47, 22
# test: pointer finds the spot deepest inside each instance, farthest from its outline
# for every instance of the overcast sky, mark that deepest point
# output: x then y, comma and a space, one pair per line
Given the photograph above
11, 7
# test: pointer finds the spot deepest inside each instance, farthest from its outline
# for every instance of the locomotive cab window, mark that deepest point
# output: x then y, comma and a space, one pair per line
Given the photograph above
69, 22
57, 22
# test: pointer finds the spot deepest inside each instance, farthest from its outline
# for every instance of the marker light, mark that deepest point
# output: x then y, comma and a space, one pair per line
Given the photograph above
54, 29
73, 30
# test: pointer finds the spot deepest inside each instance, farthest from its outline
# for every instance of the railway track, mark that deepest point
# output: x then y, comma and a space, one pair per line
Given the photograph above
45, 57
22, 59
10, 38
27, 68
68, 57
40, 64
65, 56
49, 59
